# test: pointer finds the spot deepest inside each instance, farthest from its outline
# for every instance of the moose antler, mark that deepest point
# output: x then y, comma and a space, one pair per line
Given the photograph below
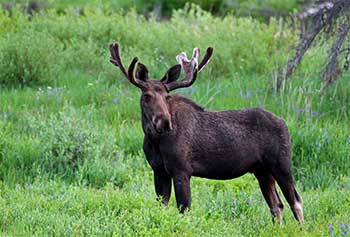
116, 60
190, 67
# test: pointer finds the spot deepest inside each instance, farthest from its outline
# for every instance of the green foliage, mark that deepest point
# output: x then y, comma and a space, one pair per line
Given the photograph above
55, 208
29, 57
14, 23
320, 154
65, 146
71, 159
165, 8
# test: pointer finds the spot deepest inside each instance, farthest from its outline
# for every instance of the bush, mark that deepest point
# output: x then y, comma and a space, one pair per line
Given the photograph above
29, 57
65, 146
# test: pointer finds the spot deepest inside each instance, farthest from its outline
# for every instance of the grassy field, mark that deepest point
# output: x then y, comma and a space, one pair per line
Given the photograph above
71, 161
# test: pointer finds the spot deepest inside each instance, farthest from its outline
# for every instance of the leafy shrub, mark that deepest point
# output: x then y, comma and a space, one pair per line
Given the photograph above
85, 55
29, 57
66, 146
14, 22
248, 40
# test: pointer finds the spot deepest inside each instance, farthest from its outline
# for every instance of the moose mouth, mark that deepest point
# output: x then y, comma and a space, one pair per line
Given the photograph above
162, 126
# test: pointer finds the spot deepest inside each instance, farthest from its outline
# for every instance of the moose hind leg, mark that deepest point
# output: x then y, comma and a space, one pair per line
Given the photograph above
286, 183
268, 189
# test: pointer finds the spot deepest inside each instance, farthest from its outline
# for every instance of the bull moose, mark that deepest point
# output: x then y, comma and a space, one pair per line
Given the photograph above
182, 139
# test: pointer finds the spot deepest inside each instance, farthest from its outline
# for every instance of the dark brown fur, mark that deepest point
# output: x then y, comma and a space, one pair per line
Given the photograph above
183, 140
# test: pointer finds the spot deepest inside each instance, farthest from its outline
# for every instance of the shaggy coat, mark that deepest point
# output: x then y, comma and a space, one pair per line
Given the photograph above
182, 139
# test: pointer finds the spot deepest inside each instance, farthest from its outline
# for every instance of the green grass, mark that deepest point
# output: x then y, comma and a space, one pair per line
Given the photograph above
71, 160
220, 208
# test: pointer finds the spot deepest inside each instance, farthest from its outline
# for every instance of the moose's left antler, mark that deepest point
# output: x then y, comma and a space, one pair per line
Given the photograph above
116, 60
190, 67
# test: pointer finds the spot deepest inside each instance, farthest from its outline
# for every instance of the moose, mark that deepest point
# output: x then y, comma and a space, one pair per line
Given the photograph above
182, 139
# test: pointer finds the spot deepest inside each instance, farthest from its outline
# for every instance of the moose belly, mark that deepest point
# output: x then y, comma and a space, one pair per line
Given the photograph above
218, 165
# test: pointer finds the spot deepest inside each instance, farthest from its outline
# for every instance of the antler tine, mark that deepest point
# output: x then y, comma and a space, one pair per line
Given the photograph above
116, 60
206, 58
190, 68
131, 72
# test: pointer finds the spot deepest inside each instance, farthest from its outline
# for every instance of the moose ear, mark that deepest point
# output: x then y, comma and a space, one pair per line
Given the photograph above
141, 72
172, 74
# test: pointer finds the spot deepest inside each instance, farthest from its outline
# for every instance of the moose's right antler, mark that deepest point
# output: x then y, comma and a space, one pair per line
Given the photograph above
116, 60
190, 67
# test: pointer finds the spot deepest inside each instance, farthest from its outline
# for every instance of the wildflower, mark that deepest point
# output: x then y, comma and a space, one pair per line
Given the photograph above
225, 93
51, 93
247, 96
29, 186
250, 201
331, 229
115, 101
315, 114
234, 202
301, 111
344, 228
4, 116
348, 140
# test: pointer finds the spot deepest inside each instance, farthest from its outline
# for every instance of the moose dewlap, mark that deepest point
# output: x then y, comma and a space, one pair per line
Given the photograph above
182, 139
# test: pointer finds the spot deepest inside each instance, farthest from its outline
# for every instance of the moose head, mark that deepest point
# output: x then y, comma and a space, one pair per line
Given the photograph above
155, 93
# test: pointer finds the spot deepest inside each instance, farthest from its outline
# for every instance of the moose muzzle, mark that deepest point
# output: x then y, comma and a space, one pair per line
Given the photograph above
162, 124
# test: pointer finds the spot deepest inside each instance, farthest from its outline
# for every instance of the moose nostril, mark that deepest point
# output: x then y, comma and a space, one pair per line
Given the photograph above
167, 125
162, 124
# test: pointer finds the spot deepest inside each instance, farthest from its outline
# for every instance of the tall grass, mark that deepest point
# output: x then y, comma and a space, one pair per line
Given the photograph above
71, 159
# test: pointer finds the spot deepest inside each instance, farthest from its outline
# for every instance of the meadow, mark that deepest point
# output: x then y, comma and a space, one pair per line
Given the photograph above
71, 159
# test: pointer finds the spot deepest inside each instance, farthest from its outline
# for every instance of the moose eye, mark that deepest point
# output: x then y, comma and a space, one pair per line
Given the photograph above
146, 97
158, 89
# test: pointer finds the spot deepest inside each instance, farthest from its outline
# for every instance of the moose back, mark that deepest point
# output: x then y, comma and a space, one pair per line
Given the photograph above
182, 139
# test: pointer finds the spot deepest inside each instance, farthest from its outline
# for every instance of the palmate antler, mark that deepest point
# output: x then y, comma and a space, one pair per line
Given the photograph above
190, 67
116, 60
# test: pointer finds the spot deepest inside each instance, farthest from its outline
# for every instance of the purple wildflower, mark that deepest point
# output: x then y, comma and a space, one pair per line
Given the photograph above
249, 94
234, 202
331, 229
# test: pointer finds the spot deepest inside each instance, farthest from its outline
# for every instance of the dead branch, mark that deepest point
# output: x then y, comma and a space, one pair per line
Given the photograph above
321, 16
333, 71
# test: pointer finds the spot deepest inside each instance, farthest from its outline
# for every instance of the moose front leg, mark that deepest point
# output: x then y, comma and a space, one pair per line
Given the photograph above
182, 191
162, 183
